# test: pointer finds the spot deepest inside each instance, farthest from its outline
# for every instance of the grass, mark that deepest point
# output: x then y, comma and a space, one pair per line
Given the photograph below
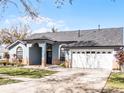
24, 72
62, 65
4, 81
116, 80
115, 83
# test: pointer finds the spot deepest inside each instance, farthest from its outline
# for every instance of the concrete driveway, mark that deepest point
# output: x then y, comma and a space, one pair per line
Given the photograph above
66, 81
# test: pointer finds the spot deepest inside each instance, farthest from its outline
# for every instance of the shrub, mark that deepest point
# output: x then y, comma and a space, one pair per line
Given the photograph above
6, 55
62, 65
120, 57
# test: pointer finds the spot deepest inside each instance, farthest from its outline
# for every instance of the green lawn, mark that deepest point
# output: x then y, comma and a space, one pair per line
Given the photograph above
116, 80
23, 72
4, 81
115, 83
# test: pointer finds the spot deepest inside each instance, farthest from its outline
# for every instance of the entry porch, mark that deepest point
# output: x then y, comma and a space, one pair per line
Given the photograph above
39, 52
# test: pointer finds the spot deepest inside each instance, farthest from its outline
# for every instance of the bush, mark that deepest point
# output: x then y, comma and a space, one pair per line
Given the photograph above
6, 55
120, 57
62, 65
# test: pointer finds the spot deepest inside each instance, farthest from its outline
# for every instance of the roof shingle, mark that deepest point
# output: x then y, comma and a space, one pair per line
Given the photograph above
103, 37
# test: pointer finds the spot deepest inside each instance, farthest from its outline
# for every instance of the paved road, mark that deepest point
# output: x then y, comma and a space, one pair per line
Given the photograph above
67, 81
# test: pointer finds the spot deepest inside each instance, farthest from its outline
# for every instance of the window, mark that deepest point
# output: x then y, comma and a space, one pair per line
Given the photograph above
78, 52
73, 52
62, 55
88, 52
83, 52
19, 53
35, 45
109, 52
103, 52
98, 52
93, 52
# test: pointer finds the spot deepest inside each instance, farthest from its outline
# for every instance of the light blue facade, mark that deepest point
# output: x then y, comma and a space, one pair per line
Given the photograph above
55, 52
37, 54
14, 49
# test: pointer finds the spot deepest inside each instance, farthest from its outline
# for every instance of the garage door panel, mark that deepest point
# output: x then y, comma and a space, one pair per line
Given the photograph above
84, 62
93, 59
88, 61
74, 59
81, 60
105, 61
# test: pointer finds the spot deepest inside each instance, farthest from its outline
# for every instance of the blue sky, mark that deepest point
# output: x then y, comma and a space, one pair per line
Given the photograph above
82, 14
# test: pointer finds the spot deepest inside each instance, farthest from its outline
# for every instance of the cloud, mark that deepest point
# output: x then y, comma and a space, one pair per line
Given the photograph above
41, 30
54, 23
7, 21
40, 24
48, 22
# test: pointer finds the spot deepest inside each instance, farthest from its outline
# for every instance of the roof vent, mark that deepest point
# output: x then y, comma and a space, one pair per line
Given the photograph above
99, 27
79, 33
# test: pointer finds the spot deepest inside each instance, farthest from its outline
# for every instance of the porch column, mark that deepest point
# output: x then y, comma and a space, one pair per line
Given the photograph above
55, 54
27, 53
43, 52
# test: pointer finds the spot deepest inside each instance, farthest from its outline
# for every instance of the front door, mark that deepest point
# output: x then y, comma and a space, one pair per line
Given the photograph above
49, 57
35, 55
49, 54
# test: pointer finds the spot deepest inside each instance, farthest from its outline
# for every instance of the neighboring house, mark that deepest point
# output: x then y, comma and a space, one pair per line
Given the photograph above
82, 48
19, 48
2, 51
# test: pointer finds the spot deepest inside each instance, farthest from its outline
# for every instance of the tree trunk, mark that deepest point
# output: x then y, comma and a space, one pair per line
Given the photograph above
122, 67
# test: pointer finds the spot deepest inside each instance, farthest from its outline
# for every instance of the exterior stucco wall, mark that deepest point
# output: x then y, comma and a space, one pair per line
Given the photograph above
55, 54
13, 51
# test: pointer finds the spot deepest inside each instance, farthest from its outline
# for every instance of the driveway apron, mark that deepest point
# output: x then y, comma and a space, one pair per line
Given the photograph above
66, 81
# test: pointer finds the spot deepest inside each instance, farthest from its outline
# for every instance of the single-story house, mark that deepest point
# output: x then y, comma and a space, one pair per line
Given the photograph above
2, 51
93, 48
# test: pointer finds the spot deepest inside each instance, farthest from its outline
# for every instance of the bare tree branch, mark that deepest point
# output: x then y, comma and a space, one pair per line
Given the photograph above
29, 7
31, 11
8, 36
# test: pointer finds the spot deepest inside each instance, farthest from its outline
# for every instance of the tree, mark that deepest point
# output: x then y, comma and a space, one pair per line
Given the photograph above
54, 29
28, 5
120, 59
14, 33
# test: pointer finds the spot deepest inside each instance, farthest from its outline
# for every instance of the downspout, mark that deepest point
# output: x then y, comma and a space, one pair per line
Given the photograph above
123, 36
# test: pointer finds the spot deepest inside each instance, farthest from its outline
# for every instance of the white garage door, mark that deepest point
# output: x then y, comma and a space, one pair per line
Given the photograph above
92, 58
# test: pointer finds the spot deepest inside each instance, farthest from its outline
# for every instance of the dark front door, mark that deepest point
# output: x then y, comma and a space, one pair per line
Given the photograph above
49, 54
35, 55
49, 57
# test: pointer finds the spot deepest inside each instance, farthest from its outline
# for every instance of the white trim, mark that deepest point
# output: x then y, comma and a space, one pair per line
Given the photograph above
60, 50
14, 43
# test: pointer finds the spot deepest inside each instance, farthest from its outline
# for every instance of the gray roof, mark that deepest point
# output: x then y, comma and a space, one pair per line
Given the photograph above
101, 37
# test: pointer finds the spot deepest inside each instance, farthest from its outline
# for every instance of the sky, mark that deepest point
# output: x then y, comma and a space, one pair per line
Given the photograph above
82, 14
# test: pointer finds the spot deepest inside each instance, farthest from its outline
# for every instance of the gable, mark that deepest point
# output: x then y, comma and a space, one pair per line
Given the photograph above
15, 44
